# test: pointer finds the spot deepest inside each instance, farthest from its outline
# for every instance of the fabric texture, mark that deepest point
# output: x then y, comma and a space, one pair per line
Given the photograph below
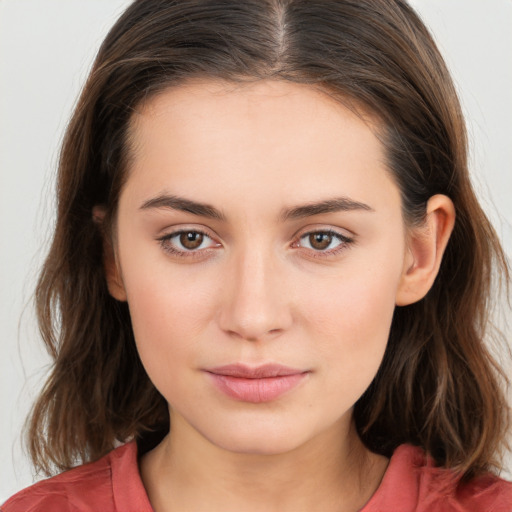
411, 484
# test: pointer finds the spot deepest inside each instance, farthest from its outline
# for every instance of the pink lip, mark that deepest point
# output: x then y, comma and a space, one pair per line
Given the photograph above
256, 384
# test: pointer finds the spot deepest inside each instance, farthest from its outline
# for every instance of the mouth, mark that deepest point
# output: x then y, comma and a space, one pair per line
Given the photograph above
256, 384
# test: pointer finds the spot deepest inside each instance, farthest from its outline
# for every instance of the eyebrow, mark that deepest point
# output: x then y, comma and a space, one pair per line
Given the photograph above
339, 204
184, 205
205, 210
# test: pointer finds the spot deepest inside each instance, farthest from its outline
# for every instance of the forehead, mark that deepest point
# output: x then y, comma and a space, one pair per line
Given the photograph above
250, 106
269, 135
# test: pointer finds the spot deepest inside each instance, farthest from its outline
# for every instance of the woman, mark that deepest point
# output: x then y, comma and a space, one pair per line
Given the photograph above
306, 334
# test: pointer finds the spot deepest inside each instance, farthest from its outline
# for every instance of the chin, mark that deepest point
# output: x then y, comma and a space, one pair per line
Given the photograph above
258, 445
269, 437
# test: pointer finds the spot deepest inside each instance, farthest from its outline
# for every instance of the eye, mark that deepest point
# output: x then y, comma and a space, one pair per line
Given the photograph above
190, 240
324, 241
187, 241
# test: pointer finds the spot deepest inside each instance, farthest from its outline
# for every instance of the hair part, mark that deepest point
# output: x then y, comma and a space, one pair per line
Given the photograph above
438, 386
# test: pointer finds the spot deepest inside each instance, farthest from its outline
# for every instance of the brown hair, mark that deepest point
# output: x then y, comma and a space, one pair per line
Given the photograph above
438, 387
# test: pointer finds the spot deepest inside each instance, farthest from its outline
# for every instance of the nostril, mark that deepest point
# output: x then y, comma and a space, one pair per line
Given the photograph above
254, 337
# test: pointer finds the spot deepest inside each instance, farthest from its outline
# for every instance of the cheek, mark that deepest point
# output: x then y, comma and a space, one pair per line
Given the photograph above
170, 308
355, 323
351, 314
160, 304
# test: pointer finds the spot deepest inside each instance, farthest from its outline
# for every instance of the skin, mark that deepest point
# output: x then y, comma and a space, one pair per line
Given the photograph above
257, 291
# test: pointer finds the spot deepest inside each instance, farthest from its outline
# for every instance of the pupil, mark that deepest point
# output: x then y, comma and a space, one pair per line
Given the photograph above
320, 240
191, 240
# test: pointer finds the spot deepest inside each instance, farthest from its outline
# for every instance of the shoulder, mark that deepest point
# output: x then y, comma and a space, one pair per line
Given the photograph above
86, 488
412, 483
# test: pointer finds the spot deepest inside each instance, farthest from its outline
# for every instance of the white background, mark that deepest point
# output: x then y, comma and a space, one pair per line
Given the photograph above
46, 48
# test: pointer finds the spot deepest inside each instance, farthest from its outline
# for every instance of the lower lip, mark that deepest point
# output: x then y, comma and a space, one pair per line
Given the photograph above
256, 390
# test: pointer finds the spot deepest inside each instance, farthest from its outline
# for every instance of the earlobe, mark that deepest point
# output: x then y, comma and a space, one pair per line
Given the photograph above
425, 249
110, 265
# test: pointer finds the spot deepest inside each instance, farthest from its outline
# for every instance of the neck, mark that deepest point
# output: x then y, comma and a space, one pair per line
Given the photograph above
332, 472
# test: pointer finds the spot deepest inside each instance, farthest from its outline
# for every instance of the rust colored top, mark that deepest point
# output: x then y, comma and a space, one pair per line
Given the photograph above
411, 484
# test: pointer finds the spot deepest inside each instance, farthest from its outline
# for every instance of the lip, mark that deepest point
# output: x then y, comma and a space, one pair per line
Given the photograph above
257, 384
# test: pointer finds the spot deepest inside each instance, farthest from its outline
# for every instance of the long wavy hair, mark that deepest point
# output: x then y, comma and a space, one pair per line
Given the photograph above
438, 386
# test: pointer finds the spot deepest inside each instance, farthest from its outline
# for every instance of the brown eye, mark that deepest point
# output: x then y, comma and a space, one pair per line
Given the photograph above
320, 241
188, 243
327, 242
191, 239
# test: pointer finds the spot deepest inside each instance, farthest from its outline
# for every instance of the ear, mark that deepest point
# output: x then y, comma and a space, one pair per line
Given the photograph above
425, 249
110, 264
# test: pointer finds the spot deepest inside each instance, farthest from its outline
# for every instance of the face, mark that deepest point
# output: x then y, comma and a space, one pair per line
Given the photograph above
260, 247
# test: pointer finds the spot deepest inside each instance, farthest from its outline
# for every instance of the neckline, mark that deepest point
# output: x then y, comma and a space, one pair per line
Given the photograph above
129, 492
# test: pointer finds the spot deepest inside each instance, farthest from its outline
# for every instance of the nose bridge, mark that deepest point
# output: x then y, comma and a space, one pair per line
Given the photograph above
256, 305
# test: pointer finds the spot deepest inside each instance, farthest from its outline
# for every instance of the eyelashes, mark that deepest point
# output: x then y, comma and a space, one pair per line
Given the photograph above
188, 243
323, 242
196, 243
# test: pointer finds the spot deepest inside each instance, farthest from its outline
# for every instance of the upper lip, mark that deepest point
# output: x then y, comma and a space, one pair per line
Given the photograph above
254, 372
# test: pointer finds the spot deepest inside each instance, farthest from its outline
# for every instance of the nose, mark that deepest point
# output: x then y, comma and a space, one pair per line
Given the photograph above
256, 306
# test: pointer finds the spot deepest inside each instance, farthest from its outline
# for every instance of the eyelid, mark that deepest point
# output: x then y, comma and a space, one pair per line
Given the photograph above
165, 238
345, 241
343, 233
